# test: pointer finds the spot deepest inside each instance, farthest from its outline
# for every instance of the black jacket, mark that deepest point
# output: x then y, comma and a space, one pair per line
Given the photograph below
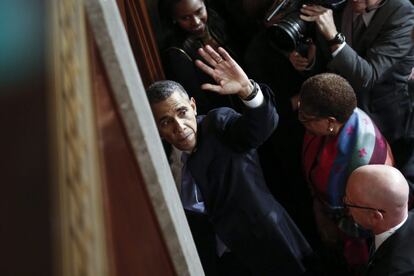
240, 208
395, 256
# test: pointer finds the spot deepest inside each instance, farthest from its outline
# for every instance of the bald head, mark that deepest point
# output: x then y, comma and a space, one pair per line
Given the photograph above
379, 187
380, 184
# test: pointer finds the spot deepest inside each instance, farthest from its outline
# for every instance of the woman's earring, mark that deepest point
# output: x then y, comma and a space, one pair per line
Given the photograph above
331, 129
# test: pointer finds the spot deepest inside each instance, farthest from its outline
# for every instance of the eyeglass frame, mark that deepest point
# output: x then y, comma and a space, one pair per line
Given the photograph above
347, 205
302, 119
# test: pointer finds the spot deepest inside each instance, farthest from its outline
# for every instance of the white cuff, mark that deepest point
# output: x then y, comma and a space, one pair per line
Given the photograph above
256, 101
338, 50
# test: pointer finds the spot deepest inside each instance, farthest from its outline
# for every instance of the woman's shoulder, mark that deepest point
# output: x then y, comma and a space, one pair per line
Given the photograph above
185, 48
177, 52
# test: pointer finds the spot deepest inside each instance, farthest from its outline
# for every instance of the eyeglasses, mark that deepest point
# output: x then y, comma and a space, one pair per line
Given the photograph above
306, 118
303, 118
346, 205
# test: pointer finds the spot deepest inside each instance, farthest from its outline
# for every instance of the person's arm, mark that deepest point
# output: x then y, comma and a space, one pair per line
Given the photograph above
392, 44
389, 48
259, 118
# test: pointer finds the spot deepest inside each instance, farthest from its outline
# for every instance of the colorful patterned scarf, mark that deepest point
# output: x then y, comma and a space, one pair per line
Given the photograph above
328, 161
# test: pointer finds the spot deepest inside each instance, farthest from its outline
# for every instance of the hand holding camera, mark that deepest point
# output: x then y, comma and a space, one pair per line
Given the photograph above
322, 17
303, 57
293, 22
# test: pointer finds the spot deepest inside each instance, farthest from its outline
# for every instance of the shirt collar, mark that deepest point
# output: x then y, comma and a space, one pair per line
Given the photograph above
380, 238
367, 17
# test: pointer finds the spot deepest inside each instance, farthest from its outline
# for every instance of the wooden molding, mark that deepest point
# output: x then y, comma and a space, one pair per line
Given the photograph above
79, 228
143, 42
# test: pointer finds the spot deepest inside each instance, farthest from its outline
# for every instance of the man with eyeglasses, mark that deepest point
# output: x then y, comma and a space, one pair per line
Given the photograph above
377, 199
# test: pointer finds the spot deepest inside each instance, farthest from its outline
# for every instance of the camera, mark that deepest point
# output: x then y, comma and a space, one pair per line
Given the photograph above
286, 31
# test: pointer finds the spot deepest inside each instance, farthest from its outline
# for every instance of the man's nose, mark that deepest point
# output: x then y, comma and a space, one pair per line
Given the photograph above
179, 126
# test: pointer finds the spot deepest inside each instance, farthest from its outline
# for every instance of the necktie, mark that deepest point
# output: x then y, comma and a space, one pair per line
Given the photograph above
190, 193
358, 27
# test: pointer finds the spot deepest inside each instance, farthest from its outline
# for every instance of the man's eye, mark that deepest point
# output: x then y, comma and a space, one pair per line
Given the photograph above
164, 123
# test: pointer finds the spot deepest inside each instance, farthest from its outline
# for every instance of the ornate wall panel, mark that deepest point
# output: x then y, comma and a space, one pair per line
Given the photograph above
80, 238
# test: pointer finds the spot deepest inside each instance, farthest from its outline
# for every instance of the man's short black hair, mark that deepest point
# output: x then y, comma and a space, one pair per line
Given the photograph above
161, 90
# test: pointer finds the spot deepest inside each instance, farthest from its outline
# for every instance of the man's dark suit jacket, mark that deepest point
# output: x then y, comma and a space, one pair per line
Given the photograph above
395, 256
378, 65
240, 208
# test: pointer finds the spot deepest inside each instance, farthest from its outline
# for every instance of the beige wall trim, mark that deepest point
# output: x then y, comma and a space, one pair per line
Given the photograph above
78, 220
129, 92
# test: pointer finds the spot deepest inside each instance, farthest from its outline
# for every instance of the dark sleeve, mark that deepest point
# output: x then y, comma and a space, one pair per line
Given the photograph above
250, 129
180, 67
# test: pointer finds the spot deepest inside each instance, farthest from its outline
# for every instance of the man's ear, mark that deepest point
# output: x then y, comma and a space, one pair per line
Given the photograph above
376, 218
193, 105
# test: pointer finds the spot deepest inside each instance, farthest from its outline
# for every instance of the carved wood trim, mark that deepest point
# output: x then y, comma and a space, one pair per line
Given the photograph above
77, 193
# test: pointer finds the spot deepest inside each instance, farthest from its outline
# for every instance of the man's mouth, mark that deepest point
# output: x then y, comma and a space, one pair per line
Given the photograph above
185, 138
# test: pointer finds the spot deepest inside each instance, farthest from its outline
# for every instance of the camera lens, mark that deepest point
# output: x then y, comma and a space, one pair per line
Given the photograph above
287, 34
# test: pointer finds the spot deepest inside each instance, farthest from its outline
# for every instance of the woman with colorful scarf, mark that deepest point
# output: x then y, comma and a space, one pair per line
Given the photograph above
339, 138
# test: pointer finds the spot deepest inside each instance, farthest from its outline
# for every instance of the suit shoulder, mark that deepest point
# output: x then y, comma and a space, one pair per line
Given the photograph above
219, 117
218, 120
401, 5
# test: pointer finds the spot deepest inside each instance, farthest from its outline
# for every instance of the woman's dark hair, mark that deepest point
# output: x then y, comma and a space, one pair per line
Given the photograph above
328, 95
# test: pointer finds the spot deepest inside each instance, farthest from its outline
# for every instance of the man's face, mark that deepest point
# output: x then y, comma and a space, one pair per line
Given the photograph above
176, 121
359, 6
360, 216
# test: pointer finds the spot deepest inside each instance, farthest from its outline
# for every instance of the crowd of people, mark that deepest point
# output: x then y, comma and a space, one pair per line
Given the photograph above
291, 161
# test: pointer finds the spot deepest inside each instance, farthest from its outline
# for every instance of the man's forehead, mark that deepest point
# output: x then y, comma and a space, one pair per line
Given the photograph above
170, 105
175, 101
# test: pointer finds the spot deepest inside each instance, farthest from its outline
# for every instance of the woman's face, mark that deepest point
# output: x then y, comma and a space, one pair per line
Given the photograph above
315, 125
191, 16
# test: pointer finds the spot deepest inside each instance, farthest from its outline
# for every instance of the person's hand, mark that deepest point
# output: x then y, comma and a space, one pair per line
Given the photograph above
322, 17
230, 77
294, 101
301, 63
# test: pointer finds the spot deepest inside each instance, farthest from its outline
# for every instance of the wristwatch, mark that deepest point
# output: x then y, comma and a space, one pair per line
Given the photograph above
338, 39
253, 93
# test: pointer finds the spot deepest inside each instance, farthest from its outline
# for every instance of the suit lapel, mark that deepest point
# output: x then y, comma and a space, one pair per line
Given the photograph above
384, 252
371, 31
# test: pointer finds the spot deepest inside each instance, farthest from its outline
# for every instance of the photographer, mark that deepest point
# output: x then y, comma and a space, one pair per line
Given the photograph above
370, 45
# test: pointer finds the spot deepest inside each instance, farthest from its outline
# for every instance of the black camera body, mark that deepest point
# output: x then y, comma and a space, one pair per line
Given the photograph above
286, 31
